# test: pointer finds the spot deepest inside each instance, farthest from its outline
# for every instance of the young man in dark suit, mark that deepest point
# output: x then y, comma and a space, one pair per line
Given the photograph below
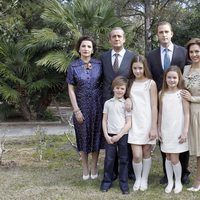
177, 55
110, 71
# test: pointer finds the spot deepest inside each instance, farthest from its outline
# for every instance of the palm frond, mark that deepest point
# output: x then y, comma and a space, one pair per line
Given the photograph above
106, 17
38, 85
61, 16
58, 60
9, 94
45, 38
9, 75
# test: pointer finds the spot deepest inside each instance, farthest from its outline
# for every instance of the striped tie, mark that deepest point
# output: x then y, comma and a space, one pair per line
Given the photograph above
116, 63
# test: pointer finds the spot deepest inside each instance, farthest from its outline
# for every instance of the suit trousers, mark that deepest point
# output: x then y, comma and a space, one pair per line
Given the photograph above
122, 150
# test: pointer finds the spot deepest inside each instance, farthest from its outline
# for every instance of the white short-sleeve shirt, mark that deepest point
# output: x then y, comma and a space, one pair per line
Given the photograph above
115, 110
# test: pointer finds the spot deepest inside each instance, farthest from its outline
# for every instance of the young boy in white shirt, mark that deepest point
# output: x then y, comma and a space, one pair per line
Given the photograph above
116, 123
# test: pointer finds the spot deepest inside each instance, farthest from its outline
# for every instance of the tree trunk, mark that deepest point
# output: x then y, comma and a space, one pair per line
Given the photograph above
148, 13
25, 110
42, 105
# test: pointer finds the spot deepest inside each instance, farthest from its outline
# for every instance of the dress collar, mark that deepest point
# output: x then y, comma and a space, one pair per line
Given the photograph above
116, 99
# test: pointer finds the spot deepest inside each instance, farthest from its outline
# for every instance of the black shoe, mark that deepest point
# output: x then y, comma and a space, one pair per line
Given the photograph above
185, 179
125, 192
104, 190
163, 180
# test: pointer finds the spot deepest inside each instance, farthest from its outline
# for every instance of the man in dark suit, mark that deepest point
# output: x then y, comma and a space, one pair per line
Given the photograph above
117, 40
124, 58
156, 61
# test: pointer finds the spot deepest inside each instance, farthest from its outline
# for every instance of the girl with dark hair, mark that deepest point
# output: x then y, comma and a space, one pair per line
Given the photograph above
143, 94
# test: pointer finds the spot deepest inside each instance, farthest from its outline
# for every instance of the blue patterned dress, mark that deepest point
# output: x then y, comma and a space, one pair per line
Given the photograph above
88, 91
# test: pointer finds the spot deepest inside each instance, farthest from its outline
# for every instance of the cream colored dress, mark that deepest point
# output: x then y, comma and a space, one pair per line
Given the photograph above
172, 123
192, 82
141, 114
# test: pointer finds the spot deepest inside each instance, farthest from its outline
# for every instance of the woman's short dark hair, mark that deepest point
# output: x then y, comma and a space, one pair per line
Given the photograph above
87, 38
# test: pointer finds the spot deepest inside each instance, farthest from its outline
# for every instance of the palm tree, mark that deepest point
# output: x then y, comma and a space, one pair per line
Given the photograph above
33, 72
23, 84
66, 23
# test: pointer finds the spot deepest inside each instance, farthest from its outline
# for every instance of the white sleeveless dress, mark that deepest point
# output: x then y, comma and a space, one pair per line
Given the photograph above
141, 113
172, 123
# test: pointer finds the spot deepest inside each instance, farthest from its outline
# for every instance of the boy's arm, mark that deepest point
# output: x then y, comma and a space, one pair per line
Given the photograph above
124, 130
186, 111
105, 128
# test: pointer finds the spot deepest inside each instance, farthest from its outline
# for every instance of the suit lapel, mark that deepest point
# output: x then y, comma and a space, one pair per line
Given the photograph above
108, 64
174, 54
109, 61
159, 58
124, 63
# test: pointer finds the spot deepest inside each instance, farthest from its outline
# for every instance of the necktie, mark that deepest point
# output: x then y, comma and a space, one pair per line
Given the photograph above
116, 63
166, 59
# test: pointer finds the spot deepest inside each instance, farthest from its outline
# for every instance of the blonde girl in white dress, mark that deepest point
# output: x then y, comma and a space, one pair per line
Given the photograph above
142, 91
173, 125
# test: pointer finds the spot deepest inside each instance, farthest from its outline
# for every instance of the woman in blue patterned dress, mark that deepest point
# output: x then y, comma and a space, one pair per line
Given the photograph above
84, 86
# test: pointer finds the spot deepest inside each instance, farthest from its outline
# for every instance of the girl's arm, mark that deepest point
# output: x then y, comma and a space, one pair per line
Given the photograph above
76, 109
186, 111
160, 118
105, 128
128, 104
154, 111
124, 130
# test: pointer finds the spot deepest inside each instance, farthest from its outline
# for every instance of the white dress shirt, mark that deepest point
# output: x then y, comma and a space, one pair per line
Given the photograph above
120, 56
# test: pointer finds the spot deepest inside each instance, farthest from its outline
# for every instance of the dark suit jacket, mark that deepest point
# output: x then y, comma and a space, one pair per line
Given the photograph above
109, 74
179, 58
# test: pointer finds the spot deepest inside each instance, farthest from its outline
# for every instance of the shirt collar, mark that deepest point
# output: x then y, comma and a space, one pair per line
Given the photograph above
121, 53
170, 48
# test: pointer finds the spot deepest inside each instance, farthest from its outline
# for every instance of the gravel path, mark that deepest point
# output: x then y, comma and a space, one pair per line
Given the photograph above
25, 129
29, 128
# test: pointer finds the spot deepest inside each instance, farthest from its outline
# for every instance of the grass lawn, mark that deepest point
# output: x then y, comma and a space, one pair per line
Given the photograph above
58, 176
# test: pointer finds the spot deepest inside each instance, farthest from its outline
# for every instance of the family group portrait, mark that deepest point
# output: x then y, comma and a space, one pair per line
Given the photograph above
109, 94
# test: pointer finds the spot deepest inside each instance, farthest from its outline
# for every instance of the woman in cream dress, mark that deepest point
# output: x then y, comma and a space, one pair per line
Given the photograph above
192, 82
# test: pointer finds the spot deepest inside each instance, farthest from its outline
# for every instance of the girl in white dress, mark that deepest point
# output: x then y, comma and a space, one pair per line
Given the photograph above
173, 124
142, 91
